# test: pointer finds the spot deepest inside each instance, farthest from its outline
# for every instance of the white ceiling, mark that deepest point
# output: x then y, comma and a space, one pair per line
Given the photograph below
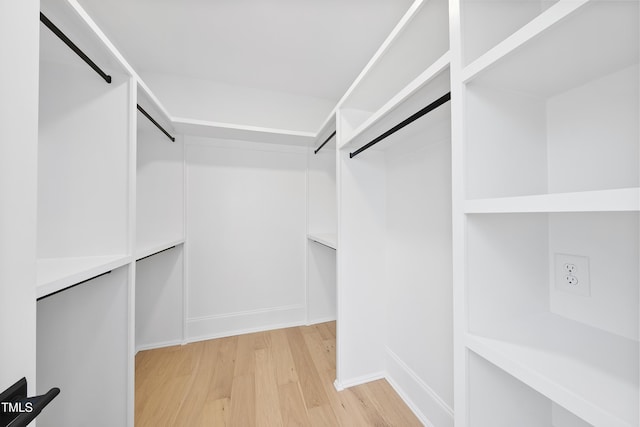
304, 47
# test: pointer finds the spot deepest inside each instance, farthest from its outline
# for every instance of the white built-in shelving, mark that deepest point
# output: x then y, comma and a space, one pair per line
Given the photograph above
394, 210
374, 94
549, 147
84, 223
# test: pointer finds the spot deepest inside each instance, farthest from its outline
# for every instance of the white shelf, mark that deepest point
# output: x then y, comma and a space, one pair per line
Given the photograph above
54, 274
590, 372
242, 132
424, 78
535, 27
544, 44
152, 248
327, 239
618, 200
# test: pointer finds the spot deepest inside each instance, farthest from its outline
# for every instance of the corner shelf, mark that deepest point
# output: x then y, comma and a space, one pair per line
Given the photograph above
594, 374
329, 240
152, 248
440, 65
247, 133
619, 200
55, 274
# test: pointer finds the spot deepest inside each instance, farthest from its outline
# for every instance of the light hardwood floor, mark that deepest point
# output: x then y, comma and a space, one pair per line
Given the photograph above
275, 378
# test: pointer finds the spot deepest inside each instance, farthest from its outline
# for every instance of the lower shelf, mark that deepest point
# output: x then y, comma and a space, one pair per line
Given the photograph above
590, 372
148, 248
55, 274
328, 239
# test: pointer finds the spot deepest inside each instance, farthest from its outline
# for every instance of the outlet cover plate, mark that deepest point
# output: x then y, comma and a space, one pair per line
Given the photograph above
581, 273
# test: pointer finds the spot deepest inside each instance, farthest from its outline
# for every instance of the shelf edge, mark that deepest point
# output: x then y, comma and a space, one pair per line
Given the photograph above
159, 247
44, 289
534, 28
318, 238
406, 92
616, 200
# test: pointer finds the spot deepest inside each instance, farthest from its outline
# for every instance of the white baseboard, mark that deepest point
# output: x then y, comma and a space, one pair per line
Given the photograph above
321, 320
425, 403
153, 346
230, 324
352, 382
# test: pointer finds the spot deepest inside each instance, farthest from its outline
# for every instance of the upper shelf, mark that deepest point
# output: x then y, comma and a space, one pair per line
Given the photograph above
535, 60
241, 132
357, 124
71, 20
55, 274
419, 42
151, 248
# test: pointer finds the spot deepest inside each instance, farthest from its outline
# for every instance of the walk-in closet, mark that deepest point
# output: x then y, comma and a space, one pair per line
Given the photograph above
326, 213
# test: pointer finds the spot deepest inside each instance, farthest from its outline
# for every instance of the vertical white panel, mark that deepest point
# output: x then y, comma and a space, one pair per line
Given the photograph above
361, 267
160, 171
83, 350
418, 289
18, 185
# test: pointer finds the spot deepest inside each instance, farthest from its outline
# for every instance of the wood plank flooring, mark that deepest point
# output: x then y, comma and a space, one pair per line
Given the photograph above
275, 378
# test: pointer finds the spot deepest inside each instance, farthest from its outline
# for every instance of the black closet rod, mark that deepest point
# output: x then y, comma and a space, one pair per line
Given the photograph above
73, 286
324, 143
435, 104
155, 123
76, 49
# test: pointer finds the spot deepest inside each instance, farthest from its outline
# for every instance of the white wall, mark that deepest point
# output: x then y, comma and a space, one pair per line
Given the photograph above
160, 186
18, 186
246, 236
83, 166
419, 269
218, 102
159, 299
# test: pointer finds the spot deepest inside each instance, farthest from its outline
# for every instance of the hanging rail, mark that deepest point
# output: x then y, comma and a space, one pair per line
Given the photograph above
155, 123
73, 47
435, 104
324, 143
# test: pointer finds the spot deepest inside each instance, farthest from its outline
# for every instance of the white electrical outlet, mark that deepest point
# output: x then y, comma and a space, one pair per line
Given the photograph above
572, 274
